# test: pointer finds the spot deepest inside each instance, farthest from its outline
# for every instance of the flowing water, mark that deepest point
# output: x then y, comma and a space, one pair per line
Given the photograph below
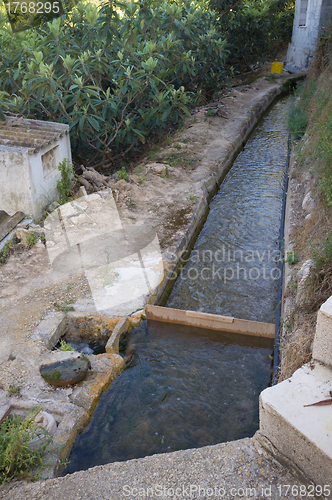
186, 387
233, 268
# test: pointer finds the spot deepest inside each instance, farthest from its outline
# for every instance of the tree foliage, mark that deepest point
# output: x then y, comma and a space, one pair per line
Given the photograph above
118, 76
113, 82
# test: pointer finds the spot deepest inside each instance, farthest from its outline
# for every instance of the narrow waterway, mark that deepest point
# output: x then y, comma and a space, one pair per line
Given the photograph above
187, 387
233, 269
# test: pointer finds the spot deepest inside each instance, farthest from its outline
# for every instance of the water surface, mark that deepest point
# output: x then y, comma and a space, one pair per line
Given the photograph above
232, 269
184, 388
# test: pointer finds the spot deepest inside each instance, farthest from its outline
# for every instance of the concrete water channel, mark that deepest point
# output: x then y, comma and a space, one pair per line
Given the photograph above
188, 387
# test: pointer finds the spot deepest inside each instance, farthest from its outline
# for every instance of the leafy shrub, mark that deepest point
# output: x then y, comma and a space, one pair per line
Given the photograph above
254, 28
292, 258
64, 185
31, 239
7, 250
64, 346
122, 174
114, 80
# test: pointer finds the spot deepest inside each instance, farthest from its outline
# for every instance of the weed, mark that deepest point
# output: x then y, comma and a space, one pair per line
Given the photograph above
139, 170
288, 323
8, 249
140, 180
17, 458
64, 185
13, 390
131, 204
177, 146
292, 258
185, 140
297, 122
31, 239
322, 252
210, 112
174, 162
193, 198
123, 174
64, 307
64, 346
165, 172
270, 78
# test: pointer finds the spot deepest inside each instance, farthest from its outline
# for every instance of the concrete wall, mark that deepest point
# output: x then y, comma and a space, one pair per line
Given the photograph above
44, 173
28, 177
14, 181
310, 16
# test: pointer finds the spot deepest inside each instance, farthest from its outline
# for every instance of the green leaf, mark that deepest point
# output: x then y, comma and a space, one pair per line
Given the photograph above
93, 122
2, 116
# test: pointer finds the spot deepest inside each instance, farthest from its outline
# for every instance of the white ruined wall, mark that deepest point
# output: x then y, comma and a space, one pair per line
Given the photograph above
308, 19
44, 173
28, 179
14, 181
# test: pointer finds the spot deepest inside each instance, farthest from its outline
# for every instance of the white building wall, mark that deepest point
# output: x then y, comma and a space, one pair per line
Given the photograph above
28, 180
14, 181
304, 38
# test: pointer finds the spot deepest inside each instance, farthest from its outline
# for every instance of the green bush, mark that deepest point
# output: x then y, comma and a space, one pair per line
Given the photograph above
17, 458
64, 185
254, 28
297, 122
114, 82
117, 78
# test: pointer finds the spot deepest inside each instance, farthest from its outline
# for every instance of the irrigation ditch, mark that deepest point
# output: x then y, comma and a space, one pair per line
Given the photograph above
89, 392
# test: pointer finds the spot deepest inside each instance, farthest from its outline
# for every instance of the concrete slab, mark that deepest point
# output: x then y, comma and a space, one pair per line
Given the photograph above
301, 434
49, 330
229, 470
322, 348
210, 321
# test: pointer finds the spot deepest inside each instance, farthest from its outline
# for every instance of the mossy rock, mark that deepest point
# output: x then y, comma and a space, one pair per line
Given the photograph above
64, 368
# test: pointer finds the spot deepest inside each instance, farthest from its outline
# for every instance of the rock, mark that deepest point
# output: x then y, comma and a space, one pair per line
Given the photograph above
39, 246
47, 421
303, 275
122, 185
67, 210
93, 197
82, 191
64, 368
80, 219
158, 168
53, 206
308, 203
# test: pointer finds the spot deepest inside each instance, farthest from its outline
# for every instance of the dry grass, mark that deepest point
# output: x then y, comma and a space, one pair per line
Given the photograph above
312, 238
296, 349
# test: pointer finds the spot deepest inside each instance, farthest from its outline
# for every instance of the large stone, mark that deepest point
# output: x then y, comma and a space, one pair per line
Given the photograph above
64, 368
296, 432
322, 349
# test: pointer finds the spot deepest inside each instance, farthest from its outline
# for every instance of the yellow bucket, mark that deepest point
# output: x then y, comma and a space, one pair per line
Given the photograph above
277, 68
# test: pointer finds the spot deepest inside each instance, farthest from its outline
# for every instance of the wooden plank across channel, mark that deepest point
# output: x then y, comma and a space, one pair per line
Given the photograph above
210, 321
